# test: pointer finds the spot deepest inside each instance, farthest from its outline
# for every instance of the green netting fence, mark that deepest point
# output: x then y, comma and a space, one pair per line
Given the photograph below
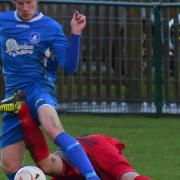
129, 57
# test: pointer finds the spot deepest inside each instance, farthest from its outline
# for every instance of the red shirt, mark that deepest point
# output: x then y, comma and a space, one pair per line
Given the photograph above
105, 155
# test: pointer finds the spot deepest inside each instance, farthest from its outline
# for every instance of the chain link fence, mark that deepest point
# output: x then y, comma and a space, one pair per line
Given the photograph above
129, 57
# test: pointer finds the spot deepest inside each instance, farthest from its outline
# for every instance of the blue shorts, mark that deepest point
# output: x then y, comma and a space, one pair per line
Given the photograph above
36, 96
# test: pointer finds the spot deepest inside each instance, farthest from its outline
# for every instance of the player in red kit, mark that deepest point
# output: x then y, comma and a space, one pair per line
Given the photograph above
105, 155
104, 152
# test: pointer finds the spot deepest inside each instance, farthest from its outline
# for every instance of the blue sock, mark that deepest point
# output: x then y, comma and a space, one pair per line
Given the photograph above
76, 155
11, 176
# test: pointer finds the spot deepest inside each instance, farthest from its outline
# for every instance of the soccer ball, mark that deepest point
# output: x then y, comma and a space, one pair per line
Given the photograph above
30, 173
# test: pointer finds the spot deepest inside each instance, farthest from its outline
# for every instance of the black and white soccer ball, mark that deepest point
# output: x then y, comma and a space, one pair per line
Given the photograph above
30, 173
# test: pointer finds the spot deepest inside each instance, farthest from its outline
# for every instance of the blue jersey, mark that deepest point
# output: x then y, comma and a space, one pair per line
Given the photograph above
24, 45
51, 66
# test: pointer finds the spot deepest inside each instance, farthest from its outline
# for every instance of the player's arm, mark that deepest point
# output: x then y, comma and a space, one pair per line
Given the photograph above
67, 52
78, 23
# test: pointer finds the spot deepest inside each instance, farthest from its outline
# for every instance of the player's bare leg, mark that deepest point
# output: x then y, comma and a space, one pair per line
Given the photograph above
14, 153
51, 164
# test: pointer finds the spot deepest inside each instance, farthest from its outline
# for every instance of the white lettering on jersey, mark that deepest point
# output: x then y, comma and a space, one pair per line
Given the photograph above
14, 49
22, 26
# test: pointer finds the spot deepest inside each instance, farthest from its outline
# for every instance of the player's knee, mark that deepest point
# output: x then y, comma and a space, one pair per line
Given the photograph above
52, 165
10, 167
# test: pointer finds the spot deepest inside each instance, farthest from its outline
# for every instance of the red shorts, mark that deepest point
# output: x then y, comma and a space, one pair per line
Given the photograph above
105, 155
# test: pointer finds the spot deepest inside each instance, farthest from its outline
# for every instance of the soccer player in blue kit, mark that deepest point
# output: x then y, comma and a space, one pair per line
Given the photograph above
26, 35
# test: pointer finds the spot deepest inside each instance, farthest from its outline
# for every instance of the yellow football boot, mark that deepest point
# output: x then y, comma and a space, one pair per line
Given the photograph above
13, 103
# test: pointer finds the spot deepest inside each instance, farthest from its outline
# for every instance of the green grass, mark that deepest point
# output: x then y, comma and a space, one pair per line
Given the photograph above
152, 144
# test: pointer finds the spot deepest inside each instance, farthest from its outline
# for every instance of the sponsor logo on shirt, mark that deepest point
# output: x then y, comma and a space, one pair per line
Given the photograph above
22, 26
34, 37
14, 49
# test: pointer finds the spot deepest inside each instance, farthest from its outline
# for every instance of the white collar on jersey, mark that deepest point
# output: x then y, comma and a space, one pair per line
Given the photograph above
36, 18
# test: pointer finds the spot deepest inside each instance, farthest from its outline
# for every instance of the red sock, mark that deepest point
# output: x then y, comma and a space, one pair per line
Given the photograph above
142, 178
33, 136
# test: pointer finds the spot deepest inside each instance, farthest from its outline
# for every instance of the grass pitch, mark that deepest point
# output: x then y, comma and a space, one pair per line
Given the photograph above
152, 144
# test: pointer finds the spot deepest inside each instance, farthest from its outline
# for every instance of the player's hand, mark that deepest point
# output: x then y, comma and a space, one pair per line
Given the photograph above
78, 23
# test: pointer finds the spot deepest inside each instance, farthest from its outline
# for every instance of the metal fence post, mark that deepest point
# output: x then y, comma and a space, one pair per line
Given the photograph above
158, 59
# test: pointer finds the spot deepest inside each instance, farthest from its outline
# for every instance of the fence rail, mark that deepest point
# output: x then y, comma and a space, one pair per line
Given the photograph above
130, 57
